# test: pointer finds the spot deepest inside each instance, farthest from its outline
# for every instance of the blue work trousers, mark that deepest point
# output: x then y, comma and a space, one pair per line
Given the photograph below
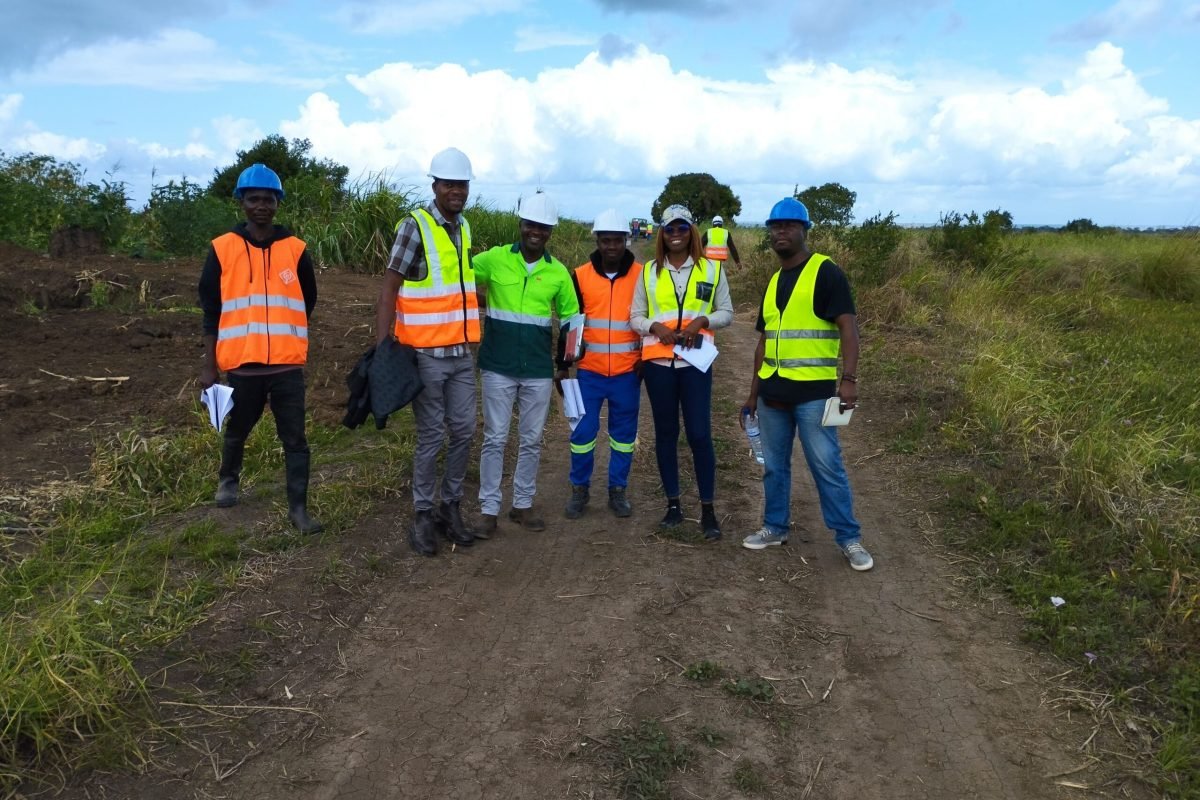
623, 393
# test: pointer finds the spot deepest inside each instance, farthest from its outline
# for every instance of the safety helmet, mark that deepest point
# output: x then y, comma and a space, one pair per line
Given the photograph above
674, 212
789, 208
258, 176
718, 220
610, 221
451, 164
538, 207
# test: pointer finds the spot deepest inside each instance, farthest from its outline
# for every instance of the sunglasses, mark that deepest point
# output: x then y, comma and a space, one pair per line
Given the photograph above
679, 227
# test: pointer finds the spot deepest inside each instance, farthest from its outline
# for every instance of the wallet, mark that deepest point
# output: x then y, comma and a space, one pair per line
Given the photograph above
834, 415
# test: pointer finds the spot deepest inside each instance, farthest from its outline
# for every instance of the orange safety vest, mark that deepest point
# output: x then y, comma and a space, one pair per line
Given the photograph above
263, 320
443, 309
662, 305
610, 345
718, 244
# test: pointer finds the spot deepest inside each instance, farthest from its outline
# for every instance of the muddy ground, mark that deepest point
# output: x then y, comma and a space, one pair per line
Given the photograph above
503, 670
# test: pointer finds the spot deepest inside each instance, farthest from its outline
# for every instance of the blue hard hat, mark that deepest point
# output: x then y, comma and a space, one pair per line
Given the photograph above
789, 208
258, 176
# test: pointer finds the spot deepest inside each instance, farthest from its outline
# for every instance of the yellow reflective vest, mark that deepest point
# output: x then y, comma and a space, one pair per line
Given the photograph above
663, 306
800, 346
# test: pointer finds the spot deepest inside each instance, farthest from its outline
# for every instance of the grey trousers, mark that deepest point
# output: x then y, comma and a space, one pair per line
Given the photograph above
532, 399
447, 405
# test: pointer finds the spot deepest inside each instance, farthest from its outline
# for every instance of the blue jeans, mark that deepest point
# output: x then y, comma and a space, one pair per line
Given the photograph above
688, 390
779, 428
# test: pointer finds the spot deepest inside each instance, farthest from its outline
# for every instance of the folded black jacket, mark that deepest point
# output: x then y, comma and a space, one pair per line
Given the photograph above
383, 381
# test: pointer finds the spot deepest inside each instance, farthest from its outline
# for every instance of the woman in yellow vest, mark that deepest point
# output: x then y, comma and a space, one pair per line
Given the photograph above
257, 291
682, 296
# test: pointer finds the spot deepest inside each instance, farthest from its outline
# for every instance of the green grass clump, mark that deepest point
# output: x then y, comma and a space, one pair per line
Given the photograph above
703, 671
646, 759
756, 689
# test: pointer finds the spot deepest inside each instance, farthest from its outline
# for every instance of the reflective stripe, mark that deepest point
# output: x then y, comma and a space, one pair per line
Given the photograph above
581, 449
261, 329
437, 318
515, 316
621, 447
796, 363
802, 334
433, 292
607, 324
621, 347
262, 300
432, 257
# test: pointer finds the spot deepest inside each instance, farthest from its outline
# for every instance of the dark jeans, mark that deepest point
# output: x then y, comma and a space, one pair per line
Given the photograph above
285, 392
671, 390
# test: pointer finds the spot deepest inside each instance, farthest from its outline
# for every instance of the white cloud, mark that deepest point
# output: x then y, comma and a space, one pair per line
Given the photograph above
804, 122
530, 39
172, 60
384, 16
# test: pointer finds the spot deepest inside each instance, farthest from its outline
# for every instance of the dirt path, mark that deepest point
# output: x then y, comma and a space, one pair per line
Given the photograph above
500, 671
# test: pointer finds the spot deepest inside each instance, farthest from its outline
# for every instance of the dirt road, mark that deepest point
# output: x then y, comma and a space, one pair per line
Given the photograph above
508, 670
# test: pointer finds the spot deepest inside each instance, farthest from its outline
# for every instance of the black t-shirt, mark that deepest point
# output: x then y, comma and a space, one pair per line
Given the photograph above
831, 299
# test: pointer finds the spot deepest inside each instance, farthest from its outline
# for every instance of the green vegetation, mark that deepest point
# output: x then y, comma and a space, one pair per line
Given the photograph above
703, 671
829, 205
645, 758
290, 160
756, 689
115, 574
701, 193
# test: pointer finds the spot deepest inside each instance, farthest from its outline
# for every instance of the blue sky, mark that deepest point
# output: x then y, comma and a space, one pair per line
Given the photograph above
1051, 111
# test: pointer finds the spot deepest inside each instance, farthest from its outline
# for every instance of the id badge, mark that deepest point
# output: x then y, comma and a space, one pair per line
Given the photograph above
704, 291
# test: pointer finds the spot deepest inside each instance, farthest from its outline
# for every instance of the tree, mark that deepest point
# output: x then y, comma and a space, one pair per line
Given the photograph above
289, 160
702, 195
1081, 225
999, 219
829, 204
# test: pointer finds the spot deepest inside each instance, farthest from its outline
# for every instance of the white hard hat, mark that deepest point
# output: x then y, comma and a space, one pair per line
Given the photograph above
538, 207
717, 220
610, 221
451, 164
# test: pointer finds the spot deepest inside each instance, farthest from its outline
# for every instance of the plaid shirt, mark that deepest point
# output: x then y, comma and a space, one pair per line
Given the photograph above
408, 258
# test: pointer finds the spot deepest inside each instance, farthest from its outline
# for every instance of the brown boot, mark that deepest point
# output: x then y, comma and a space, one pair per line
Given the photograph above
528, 519
485, 526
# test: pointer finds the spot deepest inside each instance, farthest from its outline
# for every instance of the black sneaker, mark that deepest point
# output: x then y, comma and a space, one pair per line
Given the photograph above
618, 502
709, 524
579, 499
673, 518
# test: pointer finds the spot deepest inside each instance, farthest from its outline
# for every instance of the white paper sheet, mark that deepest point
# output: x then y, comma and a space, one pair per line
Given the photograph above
699, 357
572, 401
219, 400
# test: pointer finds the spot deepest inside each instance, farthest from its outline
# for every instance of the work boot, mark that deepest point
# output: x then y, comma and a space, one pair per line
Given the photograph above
618, 502
579, 499
485, 526
422, 537
528, 519
227, 492
449, 517
708, 523
230, 472
296, 472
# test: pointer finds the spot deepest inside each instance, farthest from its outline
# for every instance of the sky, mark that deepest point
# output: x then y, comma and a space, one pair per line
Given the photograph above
1050, 110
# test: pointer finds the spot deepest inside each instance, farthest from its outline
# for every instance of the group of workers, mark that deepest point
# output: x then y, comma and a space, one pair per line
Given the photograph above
640, 325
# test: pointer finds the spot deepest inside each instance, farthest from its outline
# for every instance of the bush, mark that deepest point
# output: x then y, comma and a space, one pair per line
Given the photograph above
971, 239
180, 220
871, 245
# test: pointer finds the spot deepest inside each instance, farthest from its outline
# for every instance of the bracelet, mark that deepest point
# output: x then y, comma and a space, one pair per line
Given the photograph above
849, 377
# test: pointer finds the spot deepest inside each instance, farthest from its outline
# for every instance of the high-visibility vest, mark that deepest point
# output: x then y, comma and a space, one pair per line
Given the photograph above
263, 319
800, 346
663, 306
443, 309
718, 244
611, 346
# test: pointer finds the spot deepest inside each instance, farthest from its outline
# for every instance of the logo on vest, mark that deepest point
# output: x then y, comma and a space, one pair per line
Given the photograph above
288, 277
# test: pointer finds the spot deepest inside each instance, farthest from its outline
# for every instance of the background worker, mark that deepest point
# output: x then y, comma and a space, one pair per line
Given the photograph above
682, 296
718, 244
525, 288
428, 301
608, 369
807, 318
257, 291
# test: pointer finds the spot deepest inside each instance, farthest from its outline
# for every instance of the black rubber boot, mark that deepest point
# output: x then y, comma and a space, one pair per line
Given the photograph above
422, 537
618, 502
230, 473
296, 465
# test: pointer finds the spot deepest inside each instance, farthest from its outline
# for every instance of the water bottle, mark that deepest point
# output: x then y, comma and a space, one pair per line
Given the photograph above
753, 434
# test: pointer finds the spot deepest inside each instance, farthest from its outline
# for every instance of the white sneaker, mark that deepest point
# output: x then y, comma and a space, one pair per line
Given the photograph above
860, 560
